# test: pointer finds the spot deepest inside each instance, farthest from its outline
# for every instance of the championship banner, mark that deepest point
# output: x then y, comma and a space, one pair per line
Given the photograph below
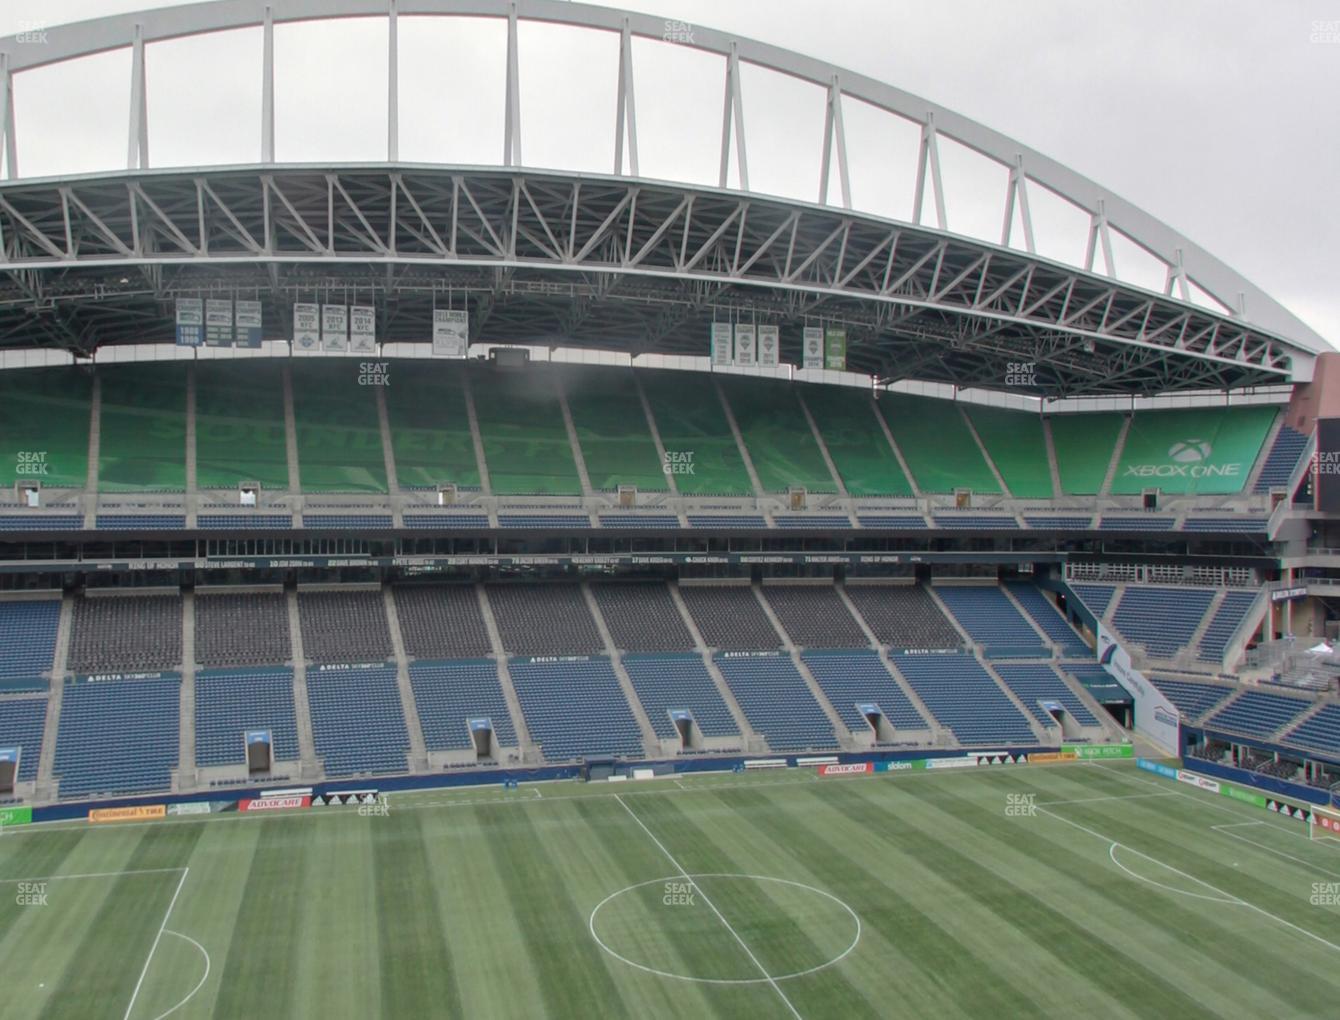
247, 322
814, 348
451, 333
721, 343
362, 330
306, 327
190, 322
218, 322
744, 344
769, 347
335, 328
835, 348
137, 813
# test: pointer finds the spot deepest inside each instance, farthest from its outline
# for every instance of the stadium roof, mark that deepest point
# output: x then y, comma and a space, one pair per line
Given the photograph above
618, 261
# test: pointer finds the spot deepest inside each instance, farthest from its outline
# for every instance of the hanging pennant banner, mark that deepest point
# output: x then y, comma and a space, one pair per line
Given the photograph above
451, 333
769, 347
218, 322
190, 322
814, 348
306, 327
744, 344
362, 329
335, 328
721, 343
247, 320
835, 348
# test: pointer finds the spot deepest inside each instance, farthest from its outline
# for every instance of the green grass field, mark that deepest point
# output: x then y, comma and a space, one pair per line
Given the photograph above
924, 894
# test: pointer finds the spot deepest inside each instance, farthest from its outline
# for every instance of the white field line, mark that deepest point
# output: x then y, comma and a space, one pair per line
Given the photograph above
199, 985
154, 948
95, 874
713, 907
1200, 881
1270, 849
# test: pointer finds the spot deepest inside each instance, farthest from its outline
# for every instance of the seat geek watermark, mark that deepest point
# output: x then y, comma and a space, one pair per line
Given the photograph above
31, 894
1325, 894
678, 894
678, 462
31, 33
1323, 32
1021, 805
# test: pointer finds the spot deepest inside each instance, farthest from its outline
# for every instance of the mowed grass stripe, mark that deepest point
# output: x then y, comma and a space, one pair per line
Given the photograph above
417, 970
105, 967
572, 974
1191, 945
259, 973
929, 958
1101, 963
686, 939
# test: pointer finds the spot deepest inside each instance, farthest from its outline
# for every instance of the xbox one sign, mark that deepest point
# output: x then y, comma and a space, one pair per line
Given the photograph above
1187, 458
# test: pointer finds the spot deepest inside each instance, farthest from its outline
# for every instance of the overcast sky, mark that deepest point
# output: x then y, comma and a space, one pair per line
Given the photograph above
1217, 116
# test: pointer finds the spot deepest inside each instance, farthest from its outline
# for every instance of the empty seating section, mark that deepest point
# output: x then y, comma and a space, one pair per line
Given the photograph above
142, 428
430, 428
814, 616
240, 435
125, 634
1321, 732
117, 736
543, 619
1191, 699
642, 617
727, 521
541, 522
338, 428
358, 722
612, 429
666, 683
895, 522
575, 708
819, 522
849, 679
963, 696
1161, 619
1017, 446
1036, 682
1224, 624
22, 721
856, 443
652, 521
1239, 525
44, 422
730, 618
695, 434
904, 616
449, 694
777, 702
1146, 522
344, 626
525, 441
140, 522
1043, 612
442, 621
1054, 523
228, 703
1282, 459
991, 620
242, 630
27, 638
780, 442
1083, 445
346, 522
447, 521
41, 522
1205, 450
982, 522
934, 439
1097, 597
244, 522
1257, 714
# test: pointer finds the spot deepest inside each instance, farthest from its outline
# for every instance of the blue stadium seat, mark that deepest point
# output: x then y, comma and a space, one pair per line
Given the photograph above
1258, 714
1282, 459
228, 702
447, 521
1097, 597
648, 521
27, 637
777, 702
963, 696
575, 708
447, 694
243, 522
358, 723
991, 620
1034, 682
1225, 622
1319, 733
851, 678
118, 736
667, 682
141, 522
22, 721
1045, 614
892, 522
1192, 699
1163, 620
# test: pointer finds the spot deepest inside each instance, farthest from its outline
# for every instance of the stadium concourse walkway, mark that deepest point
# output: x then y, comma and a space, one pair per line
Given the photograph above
358, 680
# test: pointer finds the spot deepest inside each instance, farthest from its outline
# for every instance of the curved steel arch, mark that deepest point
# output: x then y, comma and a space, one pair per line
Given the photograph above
1186, 262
